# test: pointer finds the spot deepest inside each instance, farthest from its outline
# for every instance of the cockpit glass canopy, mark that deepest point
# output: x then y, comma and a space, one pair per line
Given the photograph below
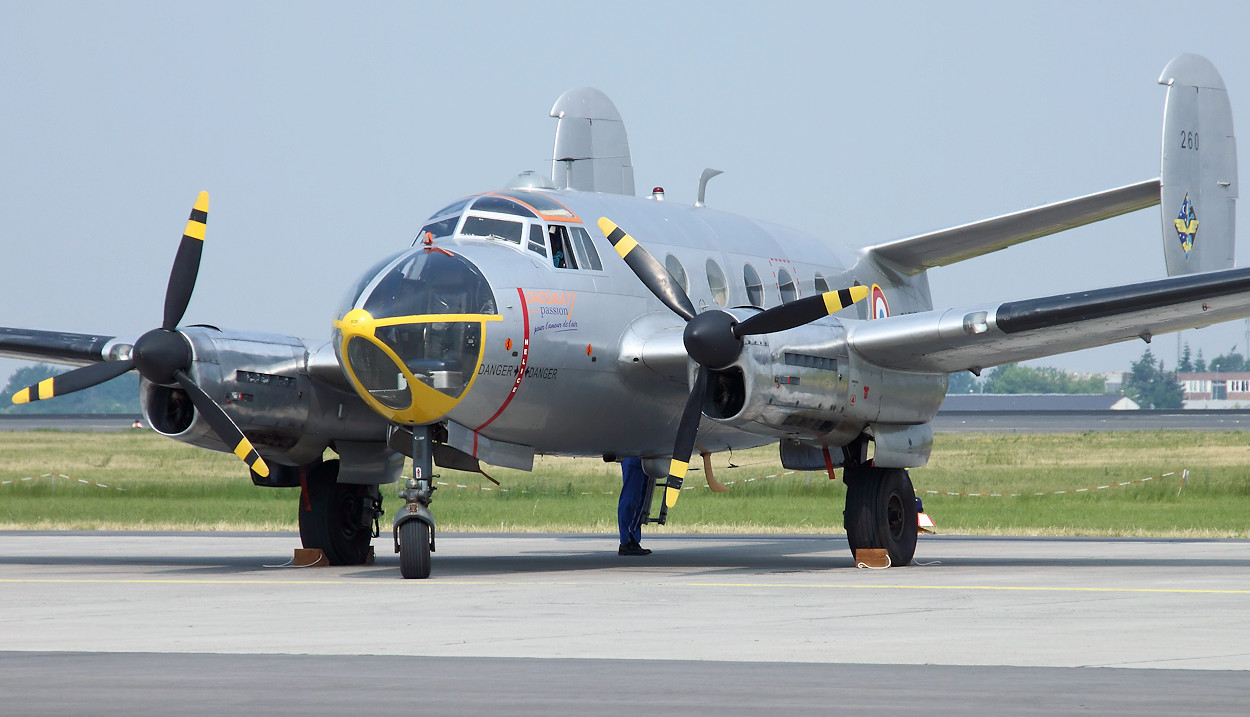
411, 339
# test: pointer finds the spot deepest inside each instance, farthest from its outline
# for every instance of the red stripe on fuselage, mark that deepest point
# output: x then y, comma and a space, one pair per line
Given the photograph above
520, 373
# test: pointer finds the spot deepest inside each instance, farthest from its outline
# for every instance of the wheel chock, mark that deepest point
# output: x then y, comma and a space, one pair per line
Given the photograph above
874, 558
309, 558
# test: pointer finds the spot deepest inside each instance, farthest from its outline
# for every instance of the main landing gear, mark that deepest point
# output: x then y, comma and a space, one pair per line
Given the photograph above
340, 519
414, 524
880, 511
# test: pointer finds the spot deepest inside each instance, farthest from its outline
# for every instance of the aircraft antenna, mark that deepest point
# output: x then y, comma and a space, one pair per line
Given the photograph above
703, 180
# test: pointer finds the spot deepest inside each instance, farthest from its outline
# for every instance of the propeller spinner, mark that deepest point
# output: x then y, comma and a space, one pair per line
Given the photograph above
163, 356
713, 339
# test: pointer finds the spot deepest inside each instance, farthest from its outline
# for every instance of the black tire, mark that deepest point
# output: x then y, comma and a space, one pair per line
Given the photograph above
330, 519
881, 512
414, 550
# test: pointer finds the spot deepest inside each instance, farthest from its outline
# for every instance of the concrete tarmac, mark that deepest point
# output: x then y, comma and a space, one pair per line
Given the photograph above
146, 623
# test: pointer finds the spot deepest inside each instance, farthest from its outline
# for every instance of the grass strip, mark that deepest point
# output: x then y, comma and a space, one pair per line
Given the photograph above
170, 486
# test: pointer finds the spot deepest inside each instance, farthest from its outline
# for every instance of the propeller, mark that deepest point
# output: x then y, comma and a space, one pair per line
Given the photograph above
713, 339
163, 356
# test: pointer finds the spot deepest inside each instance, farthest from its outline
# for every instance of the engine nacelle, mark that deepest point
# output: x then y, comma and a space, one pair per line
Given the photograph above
806, 384
270, 386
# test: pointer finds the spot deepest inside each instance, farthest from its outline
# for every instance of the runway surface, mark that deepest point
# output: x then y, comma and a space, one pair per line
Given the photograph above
136, 623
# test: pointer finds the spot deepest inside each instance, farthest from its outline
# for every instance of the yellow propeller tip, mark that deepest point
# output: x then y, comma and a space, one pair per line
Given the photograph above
201, 202
260, 468
22, 396
670, 496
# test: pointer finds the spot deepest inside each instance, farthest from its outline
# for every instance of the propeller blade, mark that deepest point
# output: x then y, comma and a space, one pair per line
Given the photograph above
186, 264
222, 425
648, 269
76, 380
686, 431
797, 313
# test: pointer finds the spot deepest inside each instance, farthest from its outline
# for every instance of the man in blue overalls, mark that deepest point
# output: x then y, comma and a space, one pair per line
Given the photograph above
629, 511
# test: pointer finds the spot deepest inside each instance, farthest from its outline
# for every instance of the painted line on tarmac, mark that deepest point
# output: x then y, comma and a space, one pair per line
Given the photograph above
788, 586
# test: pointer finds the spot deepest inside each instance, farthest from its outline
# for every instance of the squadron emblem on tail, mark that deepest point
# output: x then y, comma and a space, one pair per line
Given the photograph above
1187, 226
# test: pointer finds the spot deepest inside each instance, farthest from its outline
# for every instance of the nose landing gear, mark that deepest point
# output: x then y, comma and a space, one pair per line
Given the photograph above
414, 524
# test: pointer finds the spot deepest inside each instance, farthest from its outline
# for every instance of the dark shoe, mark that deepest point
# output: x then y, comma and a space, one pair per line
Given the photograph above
632, 548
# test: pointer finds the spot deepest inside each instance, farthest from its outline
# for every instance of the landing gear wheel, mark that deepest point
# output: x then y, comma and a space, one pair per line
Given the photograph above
414, 550
881, 512
332, 516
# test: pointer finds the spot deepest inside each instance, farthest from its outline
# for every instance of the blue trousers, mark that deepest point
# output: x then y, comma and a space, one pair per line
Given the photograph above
634, 484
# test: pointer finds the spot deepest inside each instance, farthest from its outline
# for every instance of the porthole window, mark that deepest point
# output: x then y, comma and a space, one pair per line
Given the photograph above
716, 282
786, 286
755, 288
677, 271
821, 285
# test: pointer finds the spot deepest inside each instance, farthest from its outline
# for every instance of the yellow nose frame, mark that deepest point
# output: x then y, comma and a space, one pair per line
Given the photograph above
428, 404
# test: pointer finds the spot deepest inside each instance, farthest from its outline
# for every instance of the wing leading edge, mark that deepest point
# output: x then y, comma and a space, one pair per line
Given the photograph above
53, 346
979, 337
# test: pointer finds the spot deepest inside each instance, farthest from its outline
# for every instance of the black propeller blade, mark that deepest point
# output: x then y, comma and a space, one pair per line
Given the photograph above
713, 339
163, 356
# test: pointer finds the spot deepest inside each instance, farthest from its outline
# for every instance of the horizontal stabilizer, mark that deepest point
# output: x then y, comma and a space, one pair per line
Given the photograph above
976, 338
948, 246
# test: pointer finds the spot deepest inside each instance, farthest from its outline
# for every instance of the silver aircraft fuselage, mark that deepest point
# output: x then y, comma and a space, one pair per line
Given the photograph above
585, 360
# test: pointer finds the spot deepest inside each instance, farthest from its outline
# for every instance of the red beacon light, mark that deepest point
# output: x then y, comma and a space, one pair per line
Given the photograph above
657, 194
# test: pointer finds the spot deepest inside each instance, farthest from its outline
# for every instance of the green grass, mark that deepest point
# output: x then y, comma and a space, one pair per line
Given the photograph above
172, 486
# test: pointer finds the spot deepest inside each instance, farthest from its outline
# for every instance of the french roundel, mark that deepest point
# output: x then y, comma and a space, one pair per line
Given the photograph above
877, 303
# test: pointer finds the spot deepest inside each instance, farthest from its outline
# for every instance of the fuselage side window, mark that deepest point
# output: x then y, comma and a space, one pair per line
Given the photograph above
586, 249
678, 272
819, 283
786, 286
476, 227
538, 241
716, 282
561, 248
755, 288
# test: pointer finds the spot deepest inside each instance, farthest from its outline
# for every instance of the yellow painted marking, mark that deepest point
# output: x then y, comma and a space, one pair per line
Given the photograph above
243, 449
678, 468
625, 245
1190, 227
833, 304
45, 389
261, 468
201, 201
670, 496
195, 230
22, 396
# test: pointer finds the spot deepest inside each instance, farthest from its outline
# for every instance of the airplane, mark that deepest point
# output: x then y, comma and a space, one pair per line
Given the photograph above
539, 318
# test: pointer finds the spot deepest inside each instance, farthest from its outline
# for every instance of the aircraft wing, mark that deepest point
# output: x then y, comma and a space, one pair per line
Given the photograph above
948, 246
978, 337
53, 346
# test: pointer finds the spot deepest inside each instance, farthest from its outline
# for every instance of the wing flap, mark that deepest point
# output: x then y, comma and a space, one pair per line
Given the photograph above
978, 337
53, 346
948, 246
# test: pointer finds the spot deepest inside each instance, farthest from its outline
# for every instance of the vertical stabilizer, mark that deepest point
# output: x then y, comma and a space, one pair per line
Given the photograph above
1198, 169
592, 151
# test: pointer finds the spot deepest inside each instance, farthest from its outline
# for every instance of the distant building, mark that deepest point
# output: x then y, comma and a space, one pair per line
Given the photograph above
1215, 390
1038, 402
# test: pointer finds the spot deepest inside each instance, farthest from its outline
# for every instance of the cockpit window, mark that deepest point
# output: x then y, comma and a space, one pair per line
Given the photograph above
586, 249
453, 208
502, 205
439, 229
476, 227
538, 243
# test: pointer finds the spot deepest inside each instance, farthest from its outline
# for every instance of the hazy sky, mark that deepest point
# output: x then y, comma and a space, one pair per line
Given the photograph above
326, 133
